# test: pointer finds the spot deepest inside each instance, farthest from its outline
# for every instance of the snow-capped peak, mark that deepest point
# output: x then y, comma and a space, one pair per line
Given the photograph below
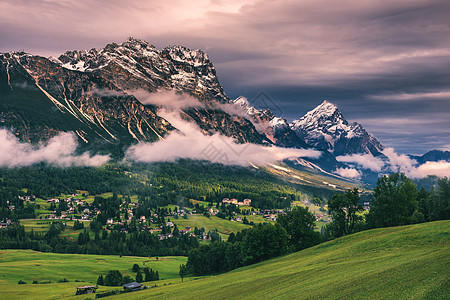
195, 58
325, 128
324, 115
325, 108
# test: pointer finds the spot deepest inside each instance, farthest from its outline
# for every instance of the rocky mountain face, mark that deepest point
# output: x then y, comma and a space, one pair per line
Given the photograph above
135, 64
91, 93
325, 128
42, 98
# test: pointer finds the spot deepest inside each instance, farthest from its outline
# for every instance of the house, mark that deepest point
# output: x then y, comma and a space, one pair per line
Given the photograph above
170, 224
89, 289
132, 286
5, 223
109, 221
247, 202
155, 230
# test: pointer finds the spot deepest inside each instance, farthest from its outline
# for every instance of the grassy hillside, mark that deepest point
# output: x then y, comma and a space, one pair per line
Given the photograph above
409, 262
29, 265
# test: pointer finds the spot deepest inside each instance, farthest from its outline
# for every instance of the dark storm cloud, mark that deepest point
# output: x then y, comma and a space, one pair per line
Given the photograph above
374, 59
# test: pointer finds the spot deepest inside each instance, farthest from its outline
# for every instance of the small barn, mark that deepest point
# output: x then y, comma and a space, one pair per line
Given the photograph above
89, 289
132, 286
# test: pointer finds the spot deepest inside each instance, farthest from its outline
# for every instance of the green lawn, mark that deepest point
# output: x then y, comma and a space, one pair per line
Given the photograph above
256, 219
29, 265
409, 262
37, 225
223, 226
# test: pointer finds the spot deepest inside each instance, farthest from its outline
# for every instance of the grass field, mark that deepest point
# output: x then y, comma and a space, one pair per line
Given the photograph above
408, 262
29, 265
224, 227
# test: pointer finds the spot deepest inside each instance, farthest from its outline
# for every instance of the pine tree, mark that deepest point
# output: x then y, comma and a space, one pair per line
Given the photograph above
147, 274
100, 280
139, 276
135, 268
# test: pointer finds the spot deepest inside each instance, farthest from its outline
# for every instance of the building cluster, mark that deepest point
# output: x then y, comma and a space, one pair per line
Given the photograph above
245, 202
74, 206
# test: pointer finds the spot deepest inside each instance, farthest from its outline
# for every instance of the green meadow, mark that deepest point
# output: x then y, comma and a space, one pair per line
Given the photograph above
408, 262
224, 227
79, 269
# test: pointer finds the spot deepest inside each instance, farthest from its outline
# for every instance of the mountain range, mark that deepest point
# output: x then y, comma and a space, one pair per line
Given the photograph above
95, 94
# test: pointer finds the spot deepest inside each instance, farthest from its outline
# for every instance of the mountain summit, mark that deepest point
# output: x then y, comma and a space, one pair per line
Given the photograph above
325, 128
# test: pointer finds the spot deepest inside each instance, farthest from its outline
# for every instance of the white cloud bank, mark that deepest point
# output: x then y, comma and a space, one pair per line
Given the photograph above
190, 142
59, 150
348, 173
365, 161
396, 163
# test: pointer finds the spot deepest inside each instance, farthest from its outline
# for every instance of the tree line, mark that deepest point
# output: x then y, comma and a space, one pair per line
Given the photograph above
114, 242
396, 201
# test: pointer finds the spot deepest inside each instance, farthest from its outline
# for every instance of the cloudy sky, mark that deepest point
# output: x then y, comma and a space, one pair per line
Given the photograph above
385, 64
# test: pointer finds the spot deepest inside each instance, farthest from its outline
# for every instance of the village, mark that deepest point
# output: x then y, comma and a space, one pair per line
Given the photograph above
163, 222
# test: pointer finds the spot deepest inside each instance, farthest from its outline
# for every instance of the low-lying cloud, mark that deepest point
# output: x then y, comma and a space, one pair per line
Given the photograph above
348, 173
190, 142
394, 162
59, 150
166, 98
438, 168
365, 161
